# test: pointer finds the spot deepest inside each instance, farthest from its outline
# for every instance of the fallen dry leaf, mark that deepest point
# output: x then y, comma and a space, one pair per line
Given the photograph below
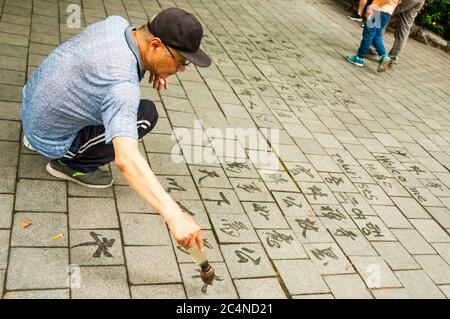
25, 223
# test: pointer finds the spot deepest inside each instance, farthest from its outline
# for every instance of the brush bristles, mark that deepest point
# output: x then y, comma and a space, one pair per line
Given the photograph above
208, 276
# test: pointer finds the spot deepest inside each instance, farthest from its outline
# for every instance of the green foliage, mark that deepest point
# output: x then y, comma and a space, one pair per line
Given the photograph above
436, 17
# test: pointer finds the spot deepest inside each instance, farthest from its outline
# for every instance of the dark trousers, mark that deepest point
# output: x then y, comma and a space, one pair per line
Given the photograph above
89, 150
406, 12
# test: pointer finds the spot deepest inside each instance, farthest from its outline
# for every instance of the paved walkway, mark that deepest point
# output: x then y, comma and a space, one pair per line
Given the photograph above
359, 203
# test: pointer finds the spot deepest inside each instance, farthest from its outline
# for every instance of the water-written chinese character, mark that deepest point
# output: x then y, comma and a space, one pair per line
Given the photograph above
316, 192
185, 209
219, 201
345, 233
274, 238
277, 178
307, 224
262, 210
244, 256
290, 201
233, 228
334, 180
174, 185
330, 213
300, 169
102, 245
237, 167
323, 253
250, 188
372, 229
207, 174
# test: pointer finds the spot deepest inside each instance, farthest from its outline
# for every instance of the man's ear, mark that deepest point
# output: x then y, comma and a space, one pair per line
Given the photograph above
154, 43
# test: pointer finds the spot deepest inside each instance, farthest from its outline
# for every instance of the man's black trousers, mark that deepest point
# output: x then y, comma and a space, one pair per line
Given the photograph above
89, 151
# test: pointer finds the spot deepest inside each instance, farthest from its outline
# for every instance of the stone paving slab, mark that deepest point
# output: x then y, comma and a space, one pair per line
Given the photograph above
396, 256
301, 277
144, 230
6, 210
282, 244
222, 289
347, 287
152, 264
38, 294
259, 288
4, 241
377, 273
46, 230
175, 291
418, 285
85, 250
93, 285
247, 260
345, 195
35, 195
37, 268
328, 259
92, 213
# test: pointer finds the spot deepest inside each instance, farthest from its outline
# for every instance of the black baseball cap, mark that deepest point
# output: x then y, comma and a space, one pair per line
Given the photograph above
182, 31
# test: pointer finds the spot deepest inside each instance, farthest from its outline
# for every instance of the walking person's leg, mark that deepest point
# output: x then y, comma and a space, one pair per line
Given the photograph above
384, 60
89, 151
405, 21
357, 16
369, 34
367, 39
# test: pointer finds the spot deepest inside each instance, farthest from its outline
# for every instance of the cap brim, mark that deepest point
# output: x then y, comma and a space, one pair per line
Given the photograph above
199, 58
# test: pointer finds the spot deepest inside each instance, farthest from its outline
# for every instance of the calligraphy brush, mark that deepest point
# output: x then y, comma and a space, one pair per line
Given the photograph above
207, 272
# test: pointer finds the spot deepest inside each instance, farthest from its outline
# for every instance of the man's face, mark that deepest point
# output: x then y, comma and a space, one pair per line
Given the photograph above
162, 62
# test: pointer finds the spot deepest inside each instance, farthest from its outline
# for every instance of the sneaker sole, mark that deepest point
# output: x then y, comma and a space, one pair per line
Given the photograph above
28, 145
355, 63
353, 19
60, 175
383, 66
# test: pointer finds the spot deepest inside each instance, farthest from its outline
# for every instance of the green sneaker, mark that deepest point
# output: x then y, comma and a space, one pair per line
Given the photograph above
383, 63
96, 179
354, 59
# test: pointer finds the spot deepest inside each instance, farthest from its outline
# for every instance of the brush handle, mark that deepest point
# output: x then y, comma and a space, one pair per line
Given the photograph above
199, 257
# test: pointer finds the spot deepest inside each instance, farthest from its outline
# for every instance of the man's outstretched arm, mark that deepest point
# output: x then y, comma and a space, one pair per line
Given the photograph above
141, 179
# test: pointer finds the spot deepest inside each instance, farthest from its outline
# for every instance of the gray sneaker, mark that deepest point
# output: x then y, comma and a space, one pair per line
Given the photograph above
393, 63
96, 179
